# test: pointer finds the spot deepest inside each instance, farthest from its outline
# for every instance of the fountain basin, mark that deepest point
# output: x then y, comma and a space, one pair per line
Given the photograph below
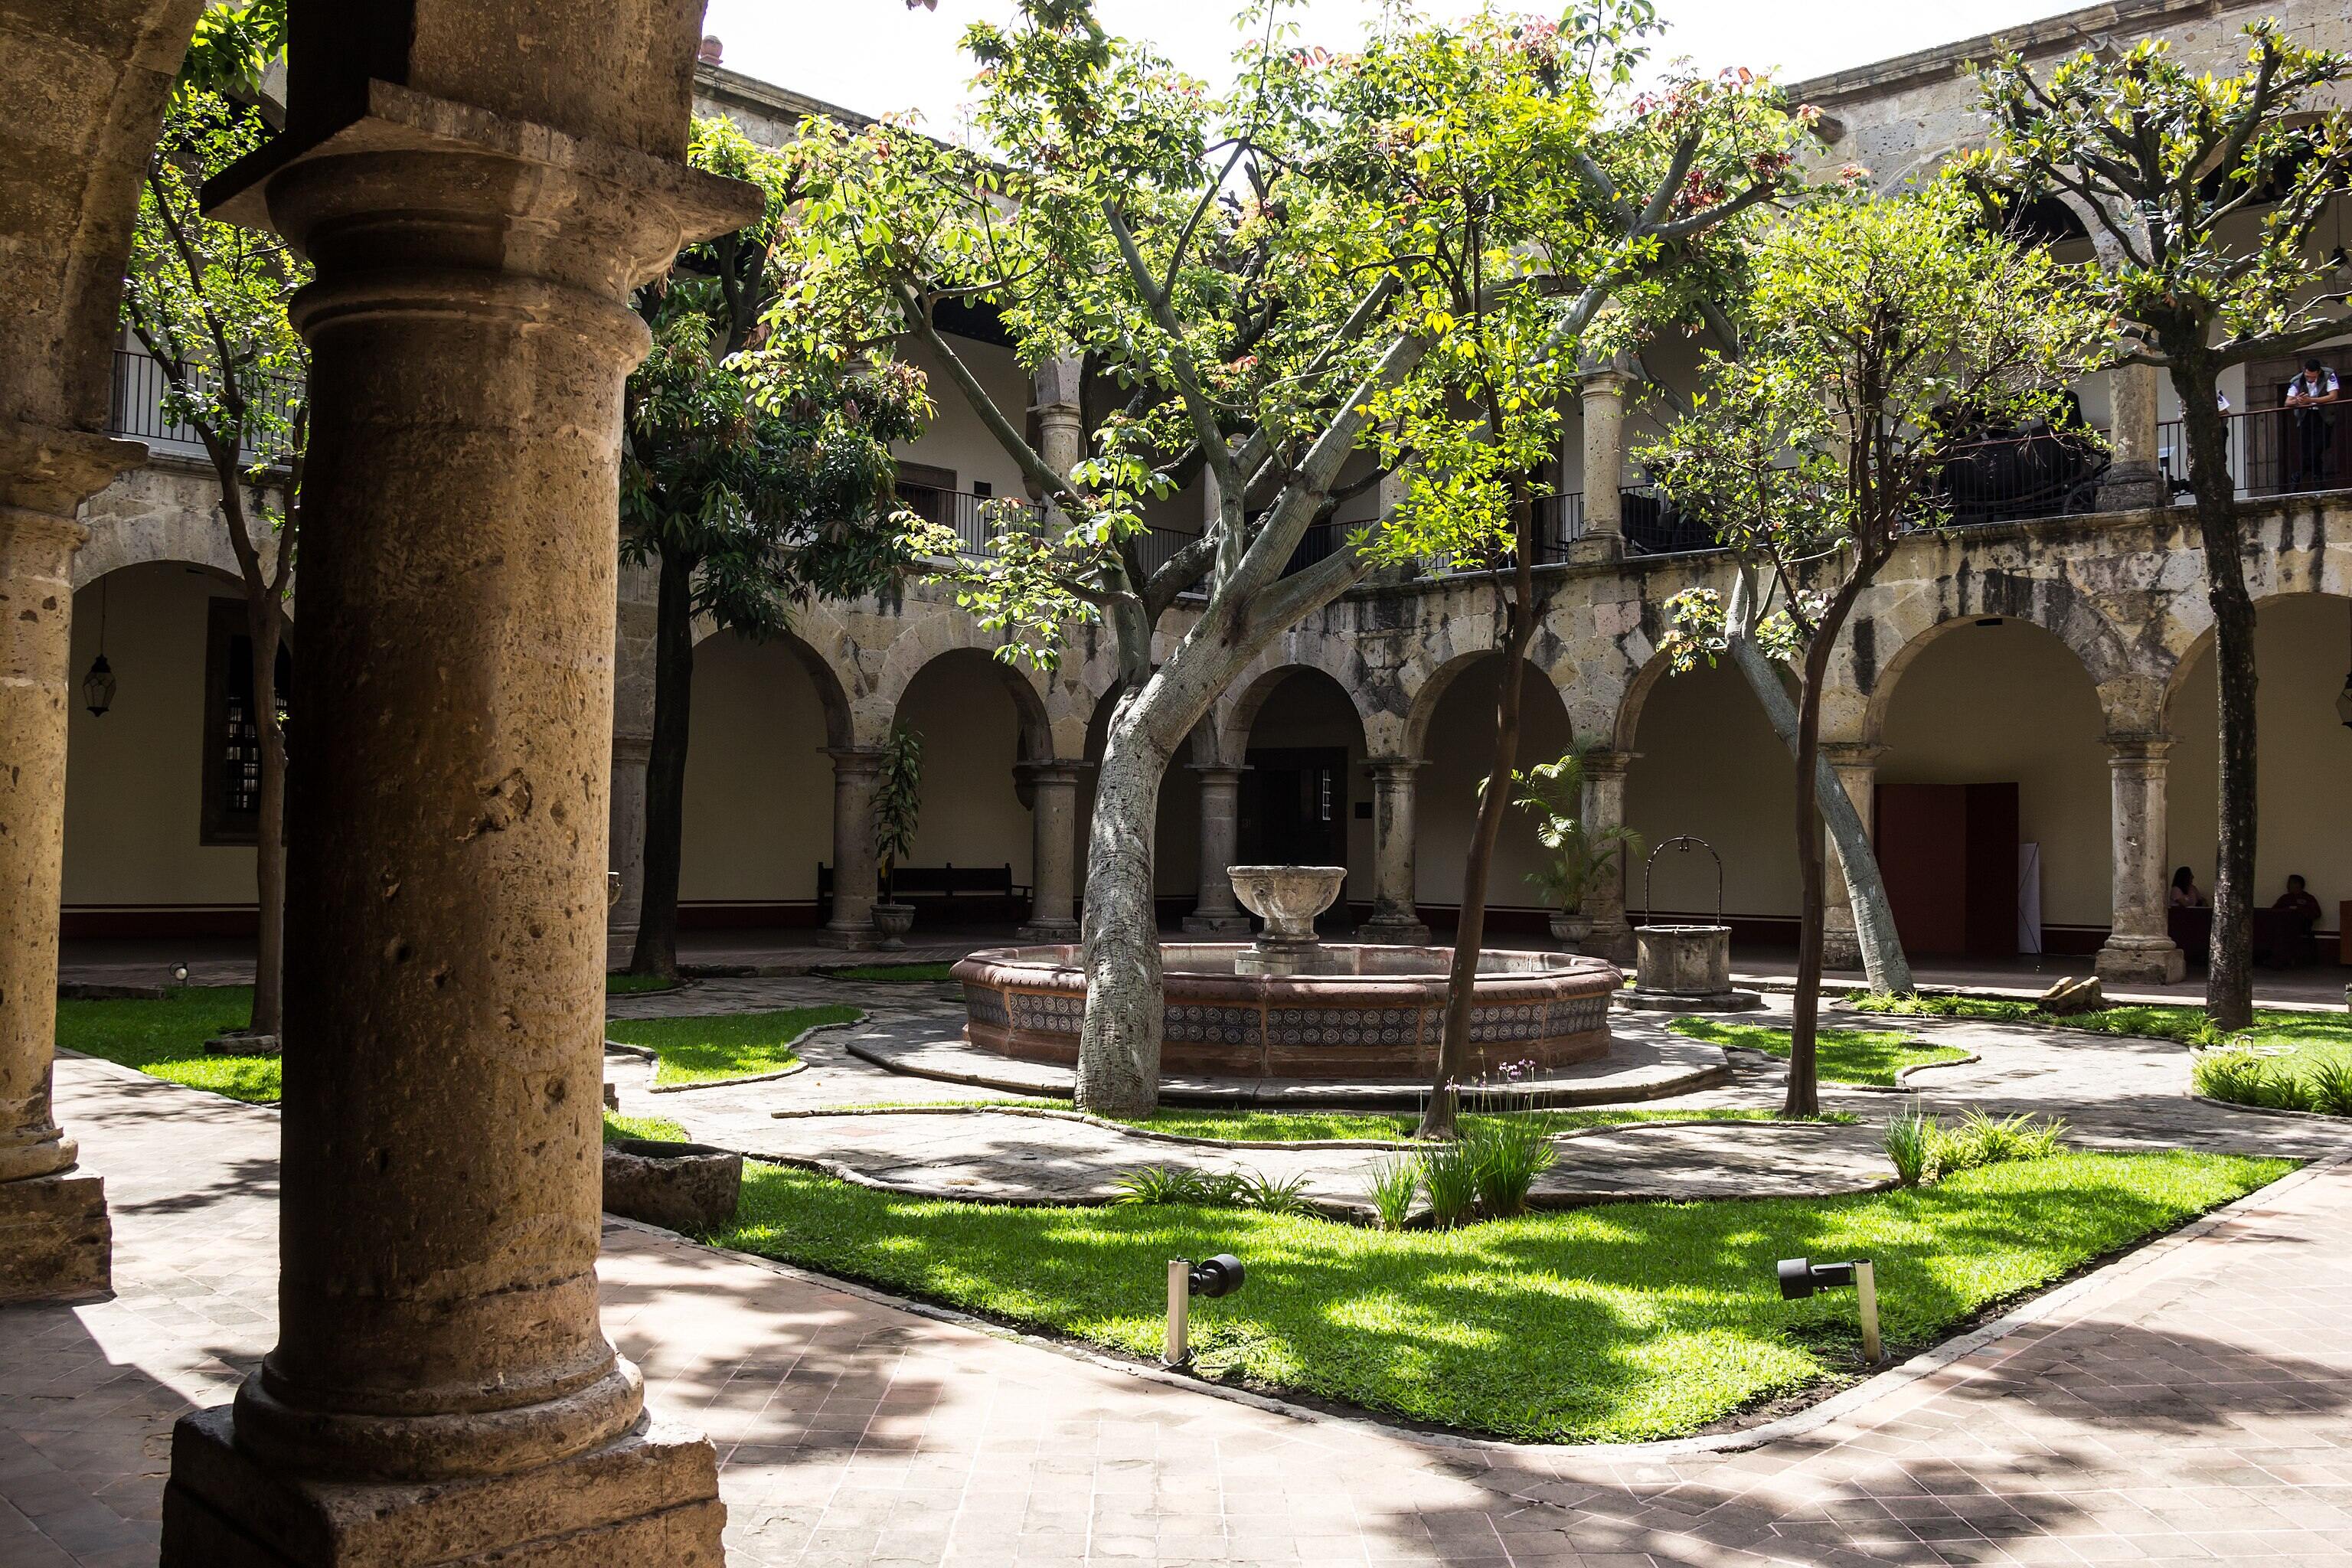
1362, 1013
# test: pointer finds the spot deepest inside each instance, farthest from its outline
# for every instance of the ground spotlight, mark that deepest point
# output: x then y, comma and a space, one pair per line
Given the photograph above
1801, 1277
1213, 1278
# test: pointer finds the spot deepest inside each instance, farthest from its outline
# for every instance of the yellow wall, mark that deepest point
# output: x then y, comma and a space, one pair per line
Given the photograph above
2011, 704
1460, 749
2304, 769
134, 778
759, 787
971, 739
1709, 764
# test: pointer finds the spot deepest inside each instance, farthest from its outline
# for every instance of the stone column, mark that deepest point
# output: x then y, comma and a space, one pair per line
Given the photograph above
55, 1239
1396, 902
1604, 807
1053, 814
1061, 421
631, 753
2132, 479
442, 1389
1604, 464
856, 874
1216, 913
1857, 770
2139, 948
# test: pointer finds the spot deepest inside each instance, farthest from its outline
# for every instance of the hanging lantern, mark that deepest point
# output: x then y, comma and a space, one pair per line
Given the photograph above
98, 687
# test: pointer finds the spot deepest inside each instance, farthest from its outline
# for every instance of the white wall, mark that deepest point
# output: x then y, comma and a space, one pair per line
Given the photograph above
971, 739
1460, 749
759, 787
1709, 764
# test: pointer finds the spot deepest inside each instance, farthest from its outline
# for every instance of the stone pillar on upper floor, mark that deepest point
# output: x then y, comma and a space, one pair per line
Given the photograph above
1603, 538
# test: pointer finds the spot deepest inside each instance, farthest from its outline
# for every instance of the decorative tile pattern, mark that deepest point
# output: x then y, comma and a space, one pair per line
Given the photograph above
1507, 1024
1342, 1025
1196, 1024
1576, 1016
986, 1006
1046, 1014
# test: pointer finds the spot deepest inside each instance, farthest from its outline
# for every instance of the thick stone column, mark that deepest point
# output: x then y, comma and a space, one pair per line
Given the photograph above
55, 1240
1396, 906
1603, 538
1217, 913
856, 876
1061, 420
2132, 478
2139, 949
1053, 814
1604, 807
442, 1389
1857, 769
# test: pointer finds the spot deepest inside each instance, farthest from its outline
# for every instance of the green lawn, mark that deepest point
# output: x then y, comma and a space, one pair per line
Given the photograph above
891, 973
167, 1039
1619, 1323
2307, 1037
726, 1044
636, 984
658, 1128
1841, 1056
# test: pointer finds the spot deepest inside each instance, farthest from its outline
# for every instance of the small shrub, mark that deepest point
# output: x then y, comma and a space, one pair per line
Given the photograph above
1507, 1154
1164, 1185
1269, 1194
1450, 1174
1910, 1143
1982, 1139
2234, 1074
2331, 1086
1392, 1186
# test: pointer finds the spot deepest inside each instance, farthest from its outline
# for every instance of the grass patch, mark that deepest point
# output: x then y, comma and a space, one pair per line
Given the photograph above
636, 984
1619, 1323
891, 973
660, 1129
166, 1039
1841, 1056
726, 1044
2155, 1021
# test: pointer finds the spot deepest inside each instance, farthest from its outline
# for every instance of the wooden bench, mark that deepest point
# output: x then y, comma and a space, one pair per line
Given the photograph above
965, 889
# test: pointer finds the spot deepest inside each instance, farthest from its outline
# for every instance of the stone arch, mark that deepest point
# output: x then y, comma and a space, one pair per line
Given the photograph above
1644, 681
832, 693
1230, 722
2193, 653
1047, 723
191, 538
1879, 644
1432, 690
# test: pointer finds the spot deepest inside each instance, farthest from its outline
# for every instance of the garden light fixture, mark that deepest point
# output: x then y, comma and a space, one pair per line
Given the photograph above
98, 687
1213, 1278
1801, 1277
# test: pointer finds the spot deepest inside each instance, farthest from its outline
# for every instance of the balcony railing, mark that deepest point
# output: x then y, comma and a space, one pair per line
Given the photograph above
137, 409
2015, 478
978, 519
2272, 451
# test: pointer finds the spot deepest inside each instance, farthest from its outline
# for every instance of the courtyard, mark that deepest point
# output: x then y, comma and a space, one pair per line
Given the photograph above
1041, 783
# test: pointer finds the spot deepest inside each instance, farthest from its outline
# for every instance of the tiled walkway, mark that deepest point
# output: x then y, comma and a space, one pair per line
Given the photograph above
2193, 1405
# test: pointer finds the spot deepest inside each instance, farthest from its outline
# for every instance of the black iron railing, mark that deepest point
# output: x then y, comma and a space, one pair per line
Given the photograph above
2015, 478
2272, 451
137, 409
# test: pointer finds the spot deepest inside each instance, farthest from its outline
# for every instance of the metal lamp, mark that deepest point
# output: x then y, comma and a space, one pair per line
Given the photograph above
99, 686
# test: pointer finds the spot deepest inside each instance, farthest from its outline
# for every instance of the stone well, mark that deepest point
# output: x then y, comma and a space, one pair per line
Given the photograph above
1365, 1013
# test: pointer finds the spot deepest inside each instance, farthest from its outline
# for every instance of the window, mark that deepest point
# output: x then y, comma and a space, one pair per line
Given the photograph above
232, 744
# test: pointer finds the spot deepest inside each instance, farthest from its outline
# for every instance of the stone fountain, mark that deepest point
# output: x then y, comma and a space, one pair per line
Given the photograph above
1290, 1007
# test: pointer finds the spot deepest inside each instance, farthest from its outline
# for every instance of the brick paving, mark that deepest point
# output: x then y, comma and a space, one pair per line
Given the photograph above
2189, 1406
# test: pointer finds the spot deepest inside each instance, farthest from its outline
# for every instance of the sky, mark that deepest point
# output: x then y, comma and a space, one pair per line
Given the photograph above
879, 58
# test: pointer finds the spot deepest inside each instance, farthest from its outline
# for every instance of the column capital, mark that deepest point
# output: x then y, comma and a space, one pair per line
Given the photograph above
2126, 750
1606, 760
1054, 771
49, 472
1228, 771
1852, 753
632, 749
1604, 381
1395, 767
854, 759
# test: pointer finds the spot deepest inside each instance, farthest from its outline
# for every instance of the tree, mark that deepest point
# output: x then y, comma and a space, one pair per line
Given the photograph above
756, 471
208, 302
1875, 331
1264, 290
2207, 191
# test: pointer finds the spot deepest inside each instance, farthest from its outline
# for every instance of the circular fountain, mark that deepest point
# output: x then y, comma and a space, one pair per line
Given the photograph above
1289, 1006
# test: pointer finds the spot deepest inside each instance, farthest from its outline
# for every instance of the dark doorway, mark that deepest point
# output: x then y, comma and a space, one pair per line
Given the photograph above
1294, 810
1948, 852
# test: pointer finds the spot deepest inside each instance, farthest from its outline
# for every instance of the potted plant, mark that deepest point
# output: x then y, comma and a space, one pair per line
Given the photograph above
1579, 857
897, 807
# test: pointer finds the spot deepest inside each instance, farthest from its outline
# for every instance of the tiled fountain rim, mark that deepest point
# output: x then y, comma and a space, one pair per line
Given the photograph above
1531, 976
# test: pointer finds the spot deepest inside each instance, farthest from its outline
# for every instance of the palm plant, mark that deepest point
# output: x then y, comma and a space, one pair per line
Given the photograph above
897, 803
1581, 857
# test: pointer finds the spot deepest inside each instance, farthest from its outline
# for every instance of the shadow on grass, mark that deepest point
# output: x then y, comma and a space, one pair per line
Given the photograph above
1633, 1321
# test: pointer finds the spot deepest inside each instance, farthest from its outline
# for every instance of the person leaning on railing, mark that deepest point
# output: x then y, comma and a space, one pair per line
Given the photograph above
2312, 397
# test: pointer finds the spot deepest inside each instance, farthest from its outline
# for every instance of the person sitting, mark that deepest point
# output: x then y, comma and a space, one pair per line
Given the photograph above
2301, 912
2184, 895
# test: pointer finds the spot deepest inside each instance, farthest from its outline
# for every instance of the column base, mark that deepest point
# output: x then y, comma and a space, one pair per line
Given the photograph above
1235, 923
1048, 930
651, 1497
1596, 549
1395, 930
2131, 487
55, 1241
1613, 942
2145, 961
1841, 950
854, 937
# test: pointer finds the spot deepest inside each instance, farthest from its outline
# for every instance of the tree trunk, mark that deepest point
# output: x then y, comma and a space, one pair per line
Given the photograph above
265, 630
2229, 975
1455, 1056
1882, 959
1804, 1096
1118, 1048
657, 949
